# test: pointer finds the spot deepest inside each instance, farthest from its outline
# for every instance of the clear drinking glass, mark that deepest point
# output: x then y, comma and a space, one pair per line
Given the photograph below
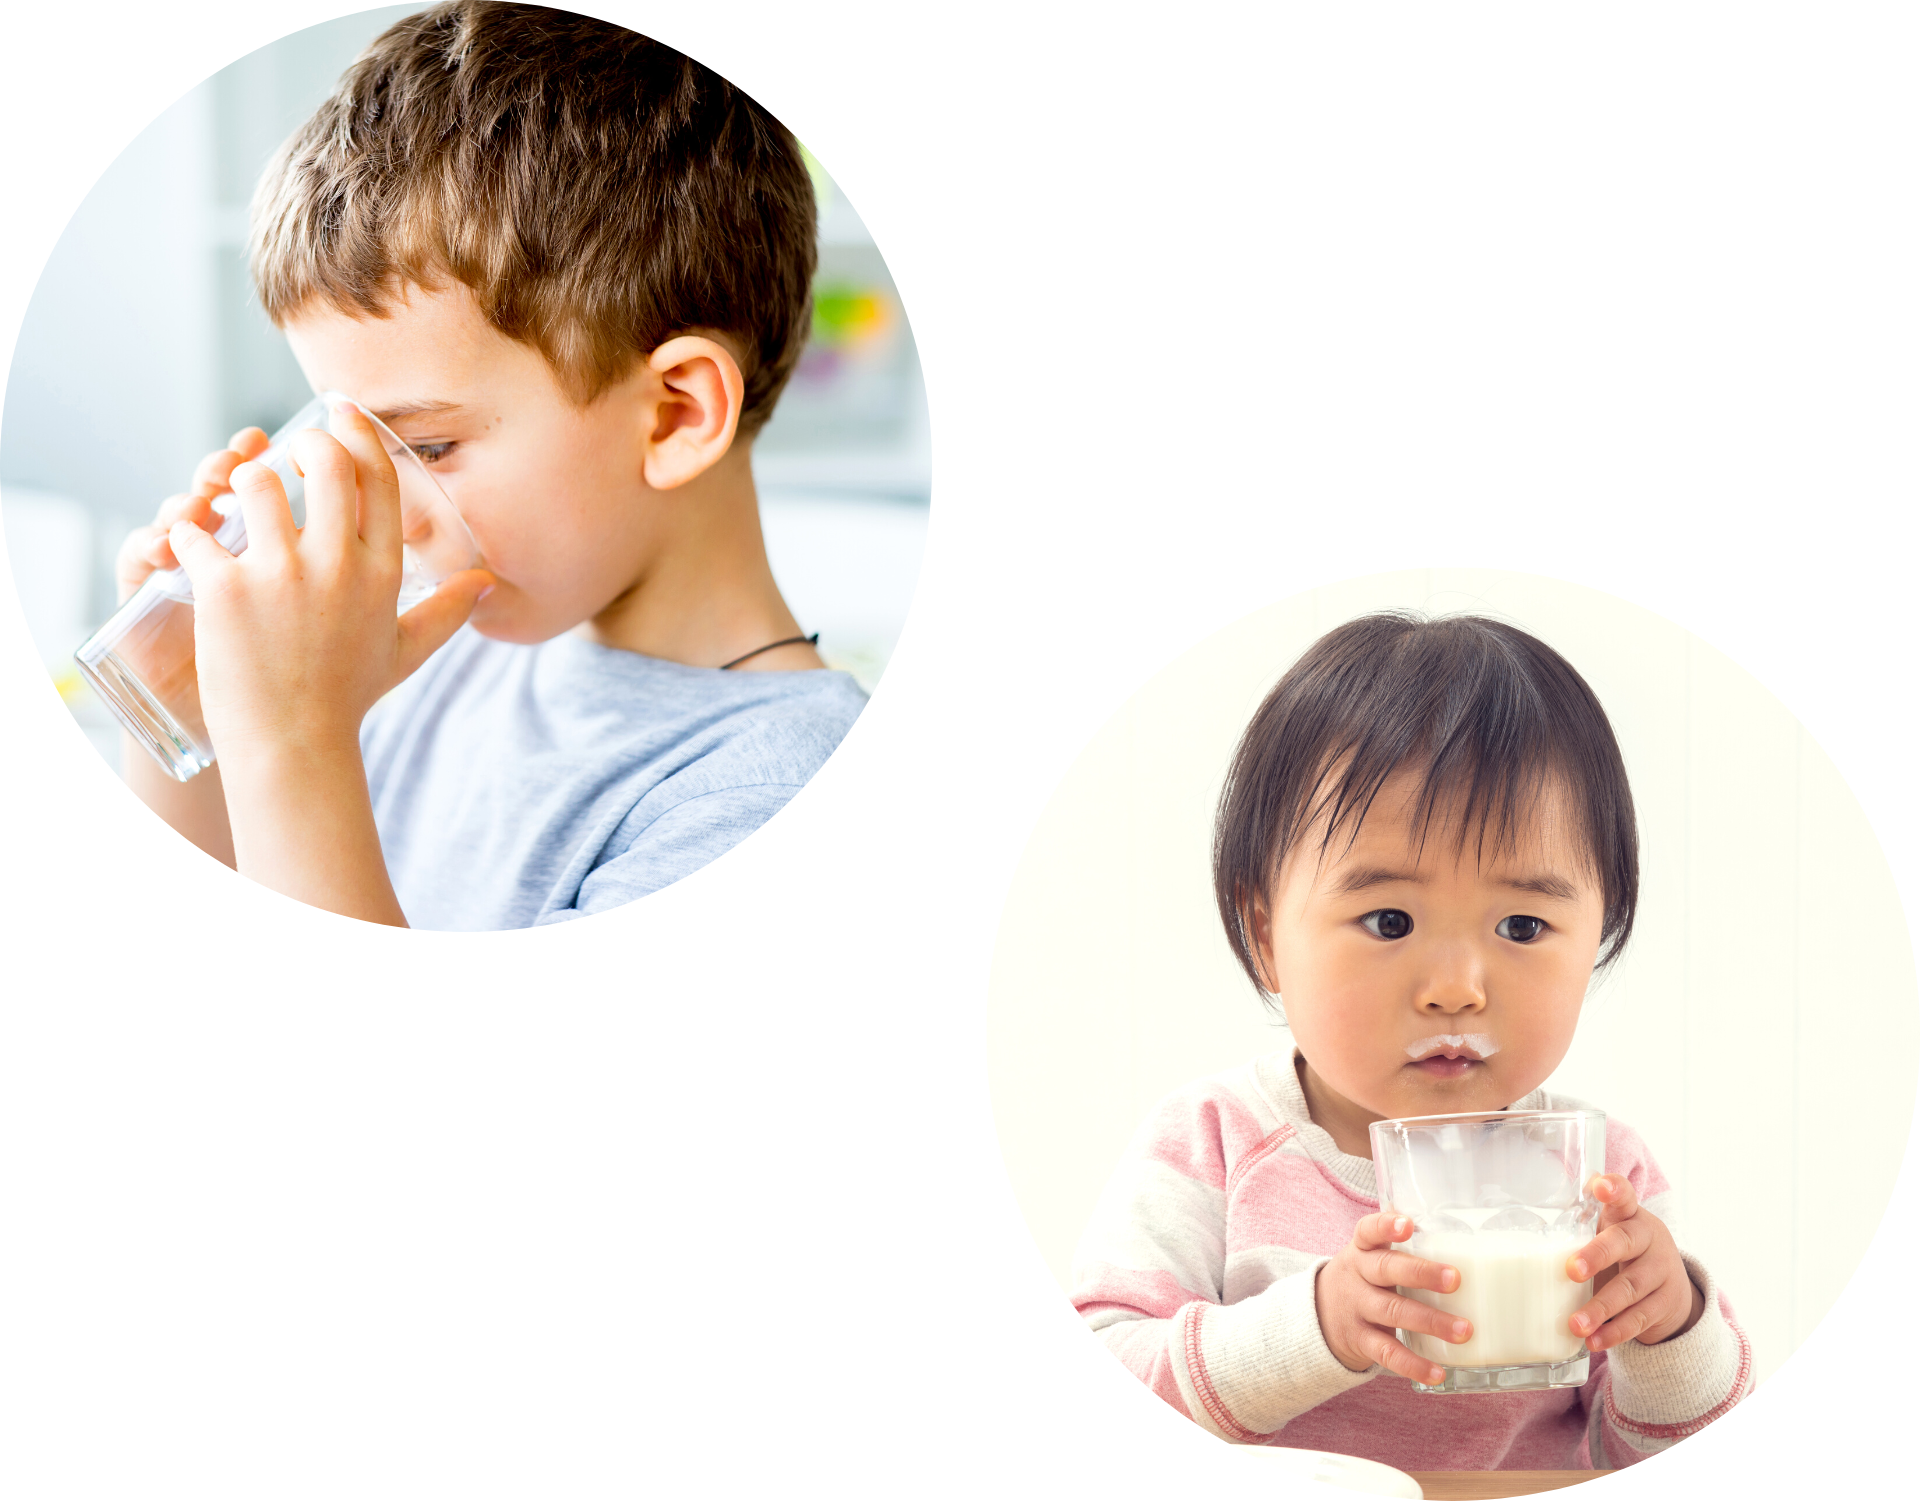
1501, 1196
141, 662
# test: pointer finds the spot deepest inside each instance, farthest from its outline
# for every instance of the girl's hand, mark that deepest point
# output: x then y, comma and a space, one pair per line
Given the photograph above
1641, 1288
297, 637
1355, 1296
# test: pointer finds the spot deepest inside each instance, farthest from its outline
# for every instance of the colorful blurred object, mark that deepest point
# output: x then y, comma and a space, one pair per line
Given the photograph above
853, 325
848, 318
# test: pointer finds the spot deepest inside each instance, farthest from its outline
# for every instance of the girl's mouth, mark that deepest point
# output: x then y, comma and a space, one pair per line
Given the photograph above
1440, 1067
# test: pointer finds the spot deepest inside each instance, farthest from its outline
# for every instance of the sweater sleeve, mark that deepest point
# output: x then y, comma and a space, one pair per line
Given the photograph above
1646, 1397
1149, 1274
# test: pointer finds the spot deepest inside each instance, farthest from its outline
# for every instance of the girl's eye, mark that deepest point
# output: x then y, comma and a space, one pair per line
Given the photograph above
1387, 923
1520, 929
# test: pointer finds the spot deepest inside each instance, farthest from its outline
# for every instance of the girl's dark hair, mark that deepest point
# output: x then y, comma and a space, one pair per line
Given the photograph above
1487, 717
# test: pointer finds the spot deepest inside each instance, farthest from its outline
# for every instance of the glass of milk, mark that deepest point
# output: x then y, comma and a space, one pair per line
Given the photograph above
1501, 1197
141, 662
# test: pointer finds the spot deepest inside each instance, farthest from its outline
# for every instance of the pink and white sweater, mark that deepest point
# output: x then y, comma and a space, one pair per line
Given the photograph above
1197, 1270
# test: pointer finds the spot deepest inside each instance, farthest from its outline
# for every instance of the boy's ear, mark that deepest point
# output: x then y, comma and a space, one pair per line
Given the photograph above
697, 412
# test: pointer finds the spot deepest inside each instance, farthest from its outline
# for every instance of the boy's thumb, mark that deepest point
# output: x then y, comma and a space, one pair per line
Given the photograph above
425, 628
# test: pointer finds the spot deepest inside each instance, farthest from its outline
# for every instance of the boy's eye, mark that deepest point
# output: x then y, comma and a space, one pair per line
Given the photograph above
1520, 929
431, 453
1387, 923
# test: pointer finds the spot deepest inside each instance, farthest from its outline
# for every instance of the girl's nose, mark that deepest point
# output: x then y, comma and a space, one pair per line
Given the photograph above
1452, 987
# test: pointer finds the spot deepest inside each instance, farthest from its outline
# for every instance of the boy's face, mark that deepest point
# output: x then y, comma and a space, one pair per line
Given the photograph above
1423, 983
553, 493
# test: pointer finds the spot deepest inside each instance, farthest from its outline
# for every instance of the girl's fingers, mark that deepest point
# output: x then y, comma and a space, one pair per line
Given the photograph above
1598, 1328
1618, 1201
1396, 1310
1381, 1230
1615, 1244
1380, 1347
1374, 1237
1404, 1270
1609, 1303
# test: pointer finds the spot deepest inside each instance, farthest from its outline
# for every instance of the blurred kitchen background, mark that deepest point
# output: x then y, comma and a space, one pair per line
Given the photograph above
143, 349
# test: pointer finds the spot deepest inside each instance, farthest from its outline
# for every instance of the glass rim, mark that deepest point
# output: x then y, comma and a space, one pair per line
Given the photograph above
1581, 1113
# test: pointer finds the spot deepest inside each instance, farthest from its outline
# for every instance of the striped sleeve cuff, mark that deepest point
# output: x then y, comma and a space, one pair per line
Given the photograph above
1248, 1368
1661, 1393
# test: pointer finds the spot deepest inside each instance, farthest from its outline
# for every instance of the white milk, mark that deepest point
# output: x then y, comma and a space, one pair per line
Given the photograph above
1513, 1287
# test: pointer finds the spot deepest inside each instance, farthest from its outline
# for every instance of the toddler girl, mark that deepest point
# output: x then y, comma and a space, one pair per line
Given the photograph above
1424, 850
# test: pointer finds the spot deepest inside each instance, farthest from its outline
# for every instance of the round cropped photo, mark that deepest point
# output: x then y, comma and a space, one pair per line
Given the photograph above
1457, 1020
465, 466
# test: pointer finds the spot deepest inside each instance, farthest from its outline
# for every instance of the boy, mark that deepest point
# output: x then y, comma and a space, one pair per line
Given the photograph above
571, 269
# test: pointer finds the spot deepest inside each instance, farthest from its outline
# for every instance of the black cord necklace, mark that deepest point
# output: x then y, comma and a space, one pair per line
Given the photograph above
788, 641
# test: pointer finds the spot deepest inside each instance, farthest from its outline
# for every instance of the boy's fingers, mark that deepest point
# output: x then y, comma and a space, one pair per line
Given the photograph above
379, 516
425, 628
197, 509
146, 548
143, 551
175, 507
263, 502
210, 476
199, 555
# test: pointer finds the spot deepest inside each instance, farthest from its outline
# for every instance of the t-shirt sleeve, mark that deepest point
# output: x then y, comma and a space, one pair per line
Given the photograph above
674, 844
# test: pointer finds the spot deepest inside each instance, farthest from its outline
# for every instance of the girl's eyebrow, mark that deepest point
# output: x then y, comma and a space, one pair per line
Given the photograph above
1546, 884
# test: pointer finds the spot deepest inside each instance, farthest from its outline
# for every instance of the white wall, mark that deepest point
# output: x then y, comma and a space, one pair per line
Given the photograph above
112, 386
1761, 1032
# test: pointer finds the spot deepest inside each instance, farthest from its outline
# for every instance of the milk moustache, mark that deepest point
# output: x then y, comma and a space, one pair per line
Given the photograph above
1513, 1287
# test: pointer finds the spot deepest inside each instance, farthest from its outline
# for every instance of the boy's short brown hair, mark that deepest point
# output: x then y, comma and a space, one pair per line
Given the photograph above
597, 191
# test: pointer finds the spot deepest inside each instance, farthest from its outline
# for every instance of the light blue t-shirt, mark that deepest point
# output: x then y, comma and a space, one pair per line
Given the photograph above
516, 785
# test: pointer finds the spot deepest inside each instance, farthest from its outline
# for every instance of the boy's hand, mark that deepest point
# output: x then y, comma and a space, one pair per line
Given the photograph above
1641, 1288
297, 637
147, 549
